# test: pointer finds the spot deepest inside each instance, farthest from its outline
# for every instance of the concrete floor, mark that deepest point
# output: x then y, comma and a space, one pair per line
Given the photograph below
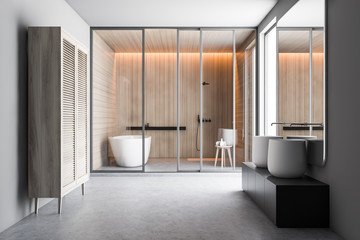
170, 165
157, 206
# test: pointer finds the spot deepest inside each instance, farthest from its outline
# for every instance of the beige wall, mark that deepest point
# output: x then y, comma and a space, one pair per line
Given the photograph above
103, 102
160, 98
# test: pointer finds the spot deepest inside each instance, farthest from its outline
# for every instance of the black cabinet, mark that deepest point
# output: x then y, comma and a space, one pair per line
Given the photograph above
298, 202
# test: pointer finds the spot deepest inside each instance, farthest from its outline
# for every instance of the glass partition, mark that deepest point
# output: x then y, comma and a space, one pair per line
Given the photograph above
217, 100
189, 100
169, 100
161, 99
117, 99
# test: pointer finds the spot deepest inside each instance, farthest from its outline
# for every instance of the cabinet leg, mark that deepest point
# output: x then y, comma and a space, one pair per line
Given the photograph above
36, 205
59, 205
83, 189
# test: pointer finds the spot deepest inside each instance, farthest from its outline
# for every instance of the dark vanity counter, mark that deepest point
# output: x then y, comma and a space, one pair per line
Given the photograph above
297, 202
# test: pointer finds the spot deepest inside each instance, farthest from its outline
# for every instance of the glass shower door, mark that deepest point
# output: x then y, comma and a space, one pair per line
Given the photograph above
217, 88
189, 100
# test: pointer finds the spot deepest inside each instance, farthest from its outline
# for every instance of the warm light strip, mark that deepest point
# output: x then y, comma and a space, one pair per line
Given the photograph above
180, 53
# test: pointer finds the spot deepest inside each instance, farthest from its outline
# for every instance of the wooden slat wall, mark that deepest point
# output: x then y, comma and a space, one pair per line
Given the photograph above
239, 109
160, 102
294, 90
217, 97
189, 104
160, 73
104, 100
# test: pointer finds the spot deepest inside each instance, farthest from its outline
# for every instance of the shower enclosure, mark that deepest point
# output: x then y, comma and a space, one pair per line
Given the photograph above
180, 90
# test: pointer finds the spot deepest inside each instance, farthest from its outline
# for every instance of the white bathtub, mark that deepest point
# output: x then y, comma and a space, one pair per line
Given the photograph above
127, 150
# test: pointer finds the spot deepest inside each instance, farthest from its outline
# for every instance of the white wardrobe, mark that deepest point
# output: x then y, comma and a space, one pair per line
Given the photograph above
58, 114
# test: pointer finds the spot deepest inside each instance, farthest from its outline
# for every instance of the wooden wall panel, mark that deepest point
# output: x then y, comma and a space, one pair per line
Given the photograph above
189, 104
294, 90
160, 99
217, 97
239, 109
104, 100
160, 102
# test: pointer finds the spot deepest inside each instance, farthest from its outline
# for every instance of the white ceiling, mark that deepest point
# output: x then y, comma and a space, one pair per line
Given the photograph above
305, 13
199, 13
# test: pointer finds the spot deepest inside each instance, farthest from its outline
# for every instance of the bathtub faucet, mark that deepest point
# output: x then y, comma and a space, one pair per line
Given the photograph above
280, 123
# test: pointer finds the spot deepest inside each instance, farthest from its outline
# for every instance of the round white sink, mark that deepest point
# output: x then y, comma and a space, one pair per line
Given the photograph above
287, 158
260, 150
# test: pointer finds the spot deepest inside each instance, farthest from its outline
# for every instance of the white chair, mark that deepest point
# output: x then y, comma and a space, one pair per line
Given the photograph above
228, 136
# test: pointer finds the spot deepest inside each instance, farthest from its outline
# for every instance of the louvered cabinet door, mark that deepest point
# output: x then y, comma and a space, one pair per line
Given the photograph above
68, 112
82, 114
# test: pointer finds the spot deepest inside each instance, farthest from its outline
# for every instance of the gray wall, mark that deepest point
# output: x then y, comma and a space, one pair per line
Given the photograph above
281, 7
342, 170
15, 17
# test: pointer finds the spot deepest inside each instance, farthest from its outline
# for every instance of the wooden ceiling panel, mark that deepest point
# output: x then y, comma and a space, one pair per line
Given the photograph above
294, 41
218, 41
165, 40
213, 41
160, 40
299, 42
242, 38
124, 41
318, 41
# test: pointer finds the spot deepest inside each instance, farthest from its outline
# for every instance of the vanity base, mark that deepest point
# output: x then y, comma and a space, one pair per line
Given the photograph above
296, 203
